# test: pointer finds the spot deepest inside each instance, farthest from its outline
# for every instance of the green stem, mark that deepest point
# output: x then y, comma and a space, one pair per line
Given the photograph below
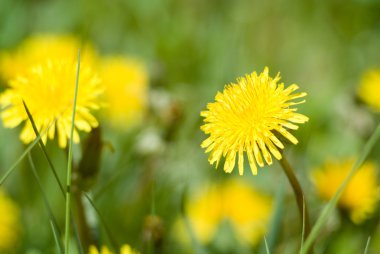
69, 165
300, 198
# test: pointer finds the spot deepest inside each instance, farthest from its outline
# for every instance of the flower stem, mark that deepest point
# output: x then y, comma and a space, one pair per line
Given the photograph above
300, 198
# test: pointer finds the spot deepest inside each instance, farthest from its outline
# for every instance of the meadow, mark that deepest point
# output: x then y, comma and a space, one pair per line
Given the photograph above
146, 126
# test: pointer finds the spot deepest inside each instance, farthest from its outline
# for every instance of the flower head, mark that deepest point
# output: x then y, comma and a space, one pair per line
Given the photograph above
39, 48
126, 82
246, 118
48, 91
227, 199
125, 249
369, 89
9, 223
361, 194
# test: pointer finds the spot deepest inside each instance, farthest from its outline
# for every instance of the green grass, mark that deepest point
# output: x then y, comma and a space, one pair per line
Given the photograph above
70, 164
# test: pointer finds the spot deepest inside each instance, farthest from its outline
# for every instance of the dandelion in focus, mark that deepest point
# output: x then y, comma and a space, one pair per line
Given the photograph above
9, 223
48, 91
246, 118
369, 89
362, 193
125, 249
224, 202
39, 48
126, 84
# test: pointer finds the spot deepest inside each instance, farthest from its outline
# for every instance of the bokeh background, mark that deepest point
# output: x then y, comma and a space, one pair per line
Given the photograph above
191, 49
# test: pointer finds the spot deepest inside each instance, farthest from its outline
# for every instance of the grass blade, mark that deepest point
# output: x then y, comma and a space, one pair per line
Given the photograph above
69, 165
25, 153
53, 221
277, 216
56, 238
42, 145
332, 203
303, 225
113, 241
266, 245
367, 245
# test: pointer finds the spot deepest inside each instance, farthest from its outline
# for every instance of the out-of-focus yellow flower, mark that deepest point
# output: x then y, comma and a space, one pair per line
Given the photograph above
48, 91
361, 194
246, 209
38, 49
126, 84
205, 212
246, 117
125, 249
9, 223
369, 89
94, 250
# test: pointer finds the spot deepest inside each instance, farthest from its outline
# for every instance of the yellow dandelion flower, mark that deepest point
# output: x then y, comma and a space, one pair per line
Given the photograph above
246, 117
250, 224
369, 89
361, 194
126, 83
39, 48
94, 250
224, 202
9, 223
125, 249
48, 91
204, 221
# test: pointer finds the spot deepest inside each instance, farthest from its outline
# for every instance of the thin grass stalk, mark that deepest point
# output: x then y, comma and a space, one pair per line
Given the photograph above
25, 153
56, 238
114, 243
300, 198
266, 245
303, 225
69, 165
367, 245
275, 224
332, 203
83, 228
52, 219
42, 145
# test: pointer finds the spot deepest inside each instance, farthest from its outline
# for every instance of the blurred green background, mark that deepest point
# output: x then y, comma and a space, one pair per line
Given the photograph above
192, 49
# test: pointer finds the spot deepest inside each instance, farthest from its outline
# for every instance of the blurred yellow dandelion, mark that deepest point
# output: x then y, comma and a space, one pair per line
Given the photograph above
250, 224
126, 83
369, 89
247, 210
125, 249
204, 221
39, 48
361, 194
246, 118
103, 250
9, 223
48, 91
